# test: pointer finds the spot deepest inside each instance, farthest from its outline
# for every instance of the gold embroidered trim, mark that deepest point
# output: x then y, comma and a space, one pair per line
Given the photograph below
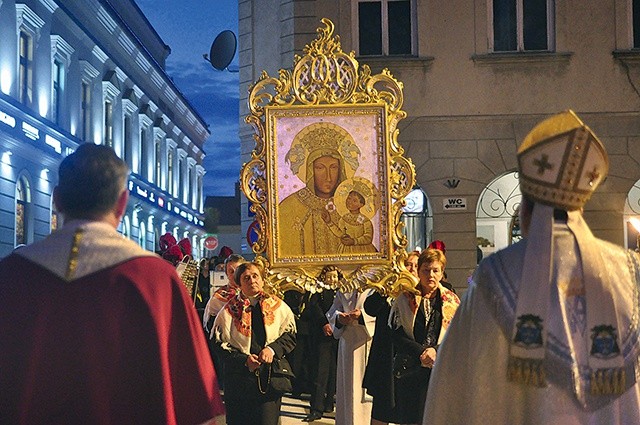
73, 255
608, 381
526, 371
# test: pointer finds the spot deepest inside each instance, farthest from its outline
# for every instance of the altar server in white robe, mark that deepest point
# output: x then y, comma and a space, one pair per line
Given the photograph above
354, 330
548, 331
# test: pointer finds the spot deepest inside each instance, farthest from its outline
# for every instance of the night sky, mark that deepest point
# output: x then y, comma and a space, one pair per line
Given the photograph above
189, 27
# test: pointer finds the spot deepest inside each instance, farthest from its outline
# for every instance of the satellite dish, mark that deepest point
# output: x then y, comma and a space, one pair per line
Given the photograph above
223, 49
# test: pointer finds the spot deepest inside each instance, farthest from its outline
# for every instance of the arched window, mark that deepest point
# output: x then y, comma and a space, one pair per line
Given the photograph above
418, 220
142, 235
23, 210
152, 236
126, 227
632, 217
497, 223
196, 246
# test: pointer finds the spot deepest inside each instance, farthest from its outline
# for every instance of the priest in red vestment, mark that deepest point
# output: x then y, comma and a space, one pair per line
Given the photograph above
93, 328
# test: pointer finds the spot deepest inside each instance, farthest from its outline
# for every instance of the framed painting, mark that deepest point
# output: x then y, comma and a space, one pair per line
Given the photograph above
329, 175
327, 178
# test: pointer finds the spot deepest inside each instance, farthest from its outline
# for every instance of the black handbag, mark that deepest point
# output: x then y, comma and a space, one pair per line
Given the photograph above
279, 375
405, 366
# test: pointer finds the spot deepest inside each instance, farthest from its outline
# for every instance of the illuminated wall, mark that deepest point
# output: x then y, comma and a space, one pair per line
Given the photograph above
70, 72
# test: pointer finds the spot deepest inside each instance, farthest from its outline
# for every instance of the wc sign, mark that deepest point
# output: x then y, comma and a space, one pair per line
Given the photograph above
454, 204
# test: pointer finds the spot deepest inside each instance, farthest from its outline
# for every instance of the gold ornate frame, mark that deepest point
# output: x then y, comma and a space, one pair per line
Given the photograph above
328, 91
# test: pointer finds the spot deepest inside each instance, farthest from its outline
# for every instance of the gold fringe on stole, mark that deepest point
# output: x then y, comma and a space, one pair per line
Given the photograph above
526, 371
608, 381
73, 255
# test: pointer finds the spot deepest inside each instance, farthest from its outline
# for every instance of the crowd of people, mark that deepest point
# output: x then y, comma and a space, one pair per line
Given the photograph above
93, 329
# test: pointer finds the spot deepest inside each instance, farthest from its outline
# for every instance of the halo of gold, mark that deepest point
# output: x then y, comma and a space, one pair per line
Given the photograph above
363, 186
322, 136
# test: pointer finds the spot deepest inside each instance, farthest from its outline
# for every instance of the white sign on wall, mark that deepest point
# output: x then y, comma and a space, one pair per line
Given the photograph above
454, 204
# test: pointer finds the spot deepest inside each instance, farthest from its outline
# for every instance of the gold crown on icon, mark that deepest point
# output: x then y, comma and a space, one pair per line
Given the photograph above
561, 162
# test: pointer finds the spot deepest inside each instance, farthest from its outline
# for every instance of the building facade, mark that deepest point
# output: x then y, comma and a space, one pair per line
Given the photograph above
478, 75
92, 71
226, 217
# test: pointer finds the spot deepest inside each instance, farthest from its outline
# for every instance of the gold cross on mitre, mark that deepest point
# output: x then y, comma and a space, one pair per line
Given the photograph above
543, 164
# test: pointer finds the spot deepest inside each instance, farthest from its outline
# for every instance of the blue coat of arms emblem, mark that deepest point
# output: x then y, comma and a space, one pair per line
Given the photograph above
528, 331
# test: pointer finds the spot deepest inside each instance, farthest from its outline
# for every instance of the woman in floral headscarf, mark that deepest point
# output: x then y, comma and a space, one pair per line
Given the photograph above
251, 331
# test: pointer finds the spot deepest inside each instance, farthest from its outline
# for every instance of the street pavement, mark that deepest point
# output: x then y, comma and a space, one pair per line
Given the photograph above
294, 409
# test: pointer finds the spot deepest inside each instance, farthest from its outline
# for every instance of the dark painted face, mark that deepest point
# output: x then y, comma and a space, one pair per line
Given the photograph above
326, 172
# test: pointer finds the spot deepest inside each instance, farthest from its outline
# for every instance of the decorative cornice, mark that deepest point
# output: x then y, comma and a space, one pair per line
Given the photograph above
89, 72
171, 95
106, 20
158, 133
126, 43
110, 85
109, 90
139, 92
60, 48
28, 18
99, 54
181, 107
122, 76
25, 15
51, 5
157, 79
129, 101
397, 62
628, 57
145, 116
143, 63
509, 58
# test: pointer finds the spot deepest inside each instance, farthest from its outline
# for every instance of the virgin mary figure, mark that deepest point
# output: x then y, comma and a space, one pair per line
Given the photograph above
322, 155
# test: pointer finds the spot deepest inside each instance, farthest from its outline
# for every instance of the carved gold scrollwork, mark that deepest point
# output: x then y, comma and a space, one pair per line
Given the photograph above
383, 87
402, 177
325, 73
325, 76
254, 185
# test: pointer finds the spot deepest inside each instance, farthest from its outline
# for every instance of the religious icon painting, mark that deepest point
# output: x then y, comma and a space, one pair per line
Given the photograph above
327, 178
328, 168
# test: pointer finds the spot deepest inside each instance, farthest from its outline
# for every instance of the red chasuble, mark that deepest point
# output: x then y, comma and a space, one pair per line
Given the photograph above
118, 345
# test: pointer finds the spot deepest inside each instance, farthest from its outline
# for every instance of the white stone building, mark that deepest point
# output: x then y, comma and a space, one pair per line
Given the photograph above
92, 71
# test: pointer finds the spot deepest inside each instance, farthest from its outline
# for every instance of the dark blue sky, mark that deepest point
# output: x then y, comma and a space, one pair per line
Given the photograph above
189, 27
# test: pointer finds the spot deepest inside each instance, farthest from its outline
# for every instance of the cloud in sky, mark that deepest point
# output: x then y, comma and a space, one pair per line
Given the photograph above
189, 27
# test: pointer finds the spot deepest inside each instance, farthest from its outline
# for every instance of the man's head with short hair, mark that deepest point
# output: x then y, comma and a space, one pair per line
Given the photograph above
91, 183
234, 258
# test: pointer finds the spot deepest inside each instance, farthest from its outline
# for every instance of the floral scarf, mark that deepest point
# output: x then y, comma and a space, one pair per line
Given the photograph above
405, 308
233, 324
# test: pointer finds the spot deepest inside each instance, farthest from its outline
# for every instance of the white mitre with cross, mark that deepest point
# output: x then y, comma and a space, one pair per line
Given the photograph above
561, 162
